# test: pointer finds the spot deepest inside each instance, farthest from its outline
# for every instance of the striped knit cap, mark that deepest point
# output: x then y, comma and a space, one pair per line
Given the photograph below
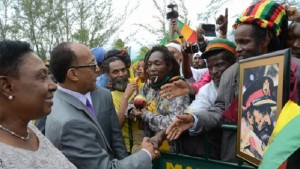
265, 14
219, 44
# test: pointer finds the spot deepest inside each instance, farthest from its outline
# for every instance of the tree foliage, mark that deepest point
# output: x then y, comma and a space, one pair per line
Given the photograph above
46, 23
212, 10
119, 44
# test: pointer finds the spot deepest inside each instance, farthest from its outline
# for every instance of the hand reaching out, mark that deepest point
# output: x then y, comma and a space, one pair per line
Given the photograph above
172, 90
179, 125
158, 139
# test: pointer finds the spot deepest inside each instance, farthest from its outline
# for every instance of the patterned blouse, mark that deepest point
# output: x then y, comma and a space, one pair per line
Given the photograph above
46, 157
160, 111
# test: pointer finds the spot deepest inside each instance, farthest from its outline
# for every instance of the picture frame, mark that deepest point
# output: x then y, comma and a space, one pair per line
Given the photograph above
263, 90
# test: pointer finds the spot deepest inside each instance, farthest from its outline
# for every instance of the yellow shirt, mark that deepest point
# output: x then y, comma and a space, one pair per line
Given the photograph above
137, 134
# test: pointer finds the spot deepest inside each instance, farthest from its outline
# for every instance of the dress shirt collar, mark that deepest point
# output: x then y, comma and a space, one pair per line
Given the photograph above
77, 95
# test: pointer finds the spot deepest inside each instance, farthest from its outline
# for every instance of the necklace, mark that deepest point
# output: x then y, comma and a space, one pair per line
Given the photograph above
15, 134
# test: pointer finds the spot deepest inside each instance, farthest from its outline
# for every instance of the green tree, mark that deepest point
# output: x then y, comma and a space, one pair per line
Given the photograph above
46, 23
5, 26
119, 44
141, 54
96, 26
212, 10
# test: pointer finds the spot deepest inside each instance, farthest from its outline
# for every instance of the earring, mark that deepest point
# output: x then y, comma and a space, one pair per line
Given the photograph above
10, 97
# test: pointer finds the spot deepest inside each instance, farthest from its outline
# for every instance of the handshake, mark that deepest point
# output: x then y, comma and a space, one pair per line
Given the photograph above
152, 144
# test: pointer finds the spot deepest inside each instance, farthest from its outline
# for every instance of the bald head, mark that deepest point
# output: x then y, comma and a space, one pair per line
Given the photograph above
66, 54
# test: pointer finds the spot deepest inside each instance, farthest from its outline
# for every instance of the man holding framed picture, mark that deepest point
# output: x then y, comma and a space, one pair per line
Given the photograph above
254, 35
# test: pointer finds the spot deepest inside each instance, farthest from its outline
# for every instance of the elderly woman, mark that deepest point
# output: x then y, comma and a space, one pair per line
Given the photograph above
25, 94
160, 68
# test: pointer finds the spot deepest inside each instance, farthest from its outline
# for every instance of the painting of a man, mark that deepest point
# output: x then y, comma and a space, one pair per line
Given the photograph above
258, 117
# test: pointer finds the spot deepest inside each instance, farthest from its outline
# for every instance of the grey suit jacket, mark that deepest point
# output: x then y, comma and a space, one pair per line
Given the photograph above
85, 142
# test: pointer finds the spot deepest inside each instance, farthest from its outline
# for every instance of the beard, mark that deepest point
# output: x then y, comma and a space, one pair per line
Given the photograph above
265, 133
120, 83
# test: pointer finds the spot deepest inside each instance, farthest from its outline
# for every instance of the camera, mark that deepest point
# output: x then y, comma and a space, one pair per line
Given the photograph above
192, 49
173, 14
210, 29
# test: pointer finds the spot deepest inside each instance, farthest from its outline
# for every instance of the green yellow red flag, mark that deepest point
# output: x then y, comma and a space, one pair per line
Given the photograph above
188, 33
285, 138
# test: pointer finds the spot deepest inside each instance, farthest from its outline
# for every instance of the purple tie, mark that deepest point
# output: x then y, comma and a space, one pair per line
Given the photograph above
90, 107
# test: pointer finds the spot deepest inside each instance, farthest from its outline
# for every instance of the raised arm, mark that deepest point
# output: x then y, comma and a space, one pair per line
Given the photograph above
129, 91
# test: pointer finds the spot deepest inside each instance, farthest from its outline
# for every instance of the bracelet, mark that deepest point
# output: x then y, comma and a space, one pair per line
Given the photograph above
181, 37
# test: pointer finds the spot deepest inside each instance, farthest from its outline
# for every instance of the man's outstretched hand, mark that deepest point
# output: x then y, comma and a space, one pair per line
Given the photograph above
179, 125
158, 139
172, 90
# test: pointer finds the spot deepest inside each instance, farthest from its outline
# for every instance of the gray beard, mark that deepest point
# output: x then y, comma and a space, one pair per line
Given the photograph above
120, 84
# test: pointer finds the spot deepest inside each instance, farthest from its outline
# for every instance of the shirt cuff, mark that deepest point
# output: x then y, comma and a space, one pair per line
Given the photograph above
147, 153
195, 123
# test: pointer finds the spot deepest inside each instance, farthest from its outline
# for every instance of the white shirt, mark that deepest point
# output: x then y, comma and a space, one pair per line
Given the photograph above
204, 99
197, 74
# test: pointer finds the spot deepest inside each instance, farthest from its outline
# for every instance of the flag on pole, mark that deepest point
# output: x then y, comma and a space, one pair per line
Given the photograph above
188, 33
285, 138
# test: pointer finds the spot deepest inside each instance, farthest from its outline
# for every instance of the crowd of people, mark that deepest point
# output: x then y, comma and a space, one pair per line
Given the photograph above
103, 112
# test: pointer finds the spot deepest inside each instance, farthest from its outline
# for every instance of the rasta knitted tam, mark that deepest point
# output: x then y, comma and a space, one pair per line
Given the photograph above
266, 14
219, 44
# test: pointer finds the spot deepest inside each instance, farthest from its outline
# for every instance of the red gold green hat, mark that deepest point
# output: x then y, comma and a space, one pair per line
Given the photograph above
219, 44
265, 14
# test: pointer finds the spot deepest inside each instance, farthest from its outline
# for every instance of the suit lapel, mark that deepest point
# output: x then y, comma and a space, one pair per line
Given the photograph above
80, 106
95, 95
75, 103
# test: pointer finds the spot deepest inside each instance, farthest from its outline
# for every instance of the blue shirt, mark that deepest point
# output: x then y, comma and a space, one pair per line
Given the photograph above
102, 81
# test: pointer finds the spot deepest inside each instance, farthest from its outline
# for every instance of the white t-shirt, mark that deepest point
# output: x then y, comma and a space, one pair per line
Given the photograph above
197, 74
204, 99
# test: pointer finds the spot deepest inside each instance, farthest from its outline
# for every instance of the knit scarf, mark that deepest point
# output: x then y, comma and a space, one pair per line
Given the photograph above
168, 79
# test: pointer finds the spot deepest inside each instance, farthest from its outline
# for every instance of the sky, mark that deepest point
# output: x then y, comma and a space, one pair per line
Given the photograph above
144, 13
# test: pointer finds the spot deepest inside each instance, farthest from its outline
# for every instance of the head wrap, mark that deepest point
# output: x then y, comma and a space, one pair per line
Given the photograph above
266, 14
219, 44
174, 45
122, 54
198, 53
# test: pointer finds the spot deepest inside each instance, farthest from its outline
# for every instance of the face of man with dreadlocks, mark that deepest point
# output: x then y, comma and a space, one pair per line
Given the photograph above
119, 75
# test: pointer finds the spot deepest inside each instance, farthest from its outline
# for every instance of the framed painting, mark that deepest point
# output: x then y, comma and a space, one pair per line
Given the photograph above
263, 90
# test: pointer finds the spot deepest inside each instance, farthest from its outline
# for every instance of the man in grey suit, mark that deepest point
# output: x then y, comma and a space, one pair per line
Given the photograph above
83, 122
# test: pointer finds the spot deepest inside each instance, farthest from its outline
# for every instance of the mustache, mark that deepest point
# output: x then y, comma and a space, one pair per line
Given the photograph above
120, 83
